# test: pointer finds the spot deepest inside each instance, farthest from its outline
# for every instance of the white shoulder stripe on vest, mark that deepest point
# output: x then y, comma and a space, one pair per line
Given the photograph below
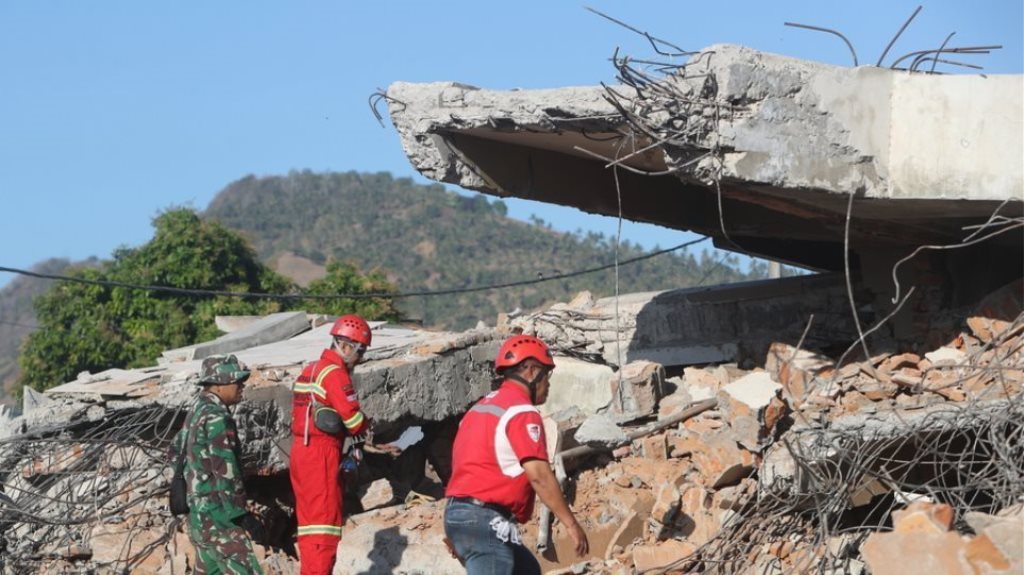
507, 460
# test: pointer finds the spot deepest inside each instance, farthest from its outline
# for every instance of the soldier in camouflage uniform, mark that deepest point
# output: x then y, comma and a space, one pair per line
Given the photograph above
217, 518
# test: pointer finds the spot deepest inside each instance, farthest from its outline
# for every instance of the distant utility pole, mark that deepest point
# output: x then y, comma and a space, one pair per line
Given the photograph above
774, 270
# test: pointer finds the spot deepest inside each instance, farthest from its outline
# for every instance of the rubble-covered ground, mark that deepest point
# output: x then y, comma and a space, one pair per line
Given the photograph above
890, 462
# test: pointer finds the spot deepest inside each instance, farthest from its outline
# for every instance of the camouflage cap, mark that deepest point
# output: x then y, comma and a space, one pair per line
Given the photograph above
222, 370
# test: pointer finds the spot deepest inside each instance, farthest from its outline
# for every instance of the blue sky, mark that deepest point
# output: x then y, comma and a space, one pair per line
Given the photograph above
112, 111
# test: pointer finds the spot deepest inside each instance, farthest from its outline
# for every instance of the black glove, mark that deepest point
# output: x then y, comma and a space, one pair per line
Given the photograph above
253, 526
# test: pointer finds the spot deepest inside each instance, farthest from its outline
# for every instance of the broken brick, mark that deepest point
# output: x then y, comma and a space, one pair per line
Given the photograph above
913, 553
984, 556
637, 388
631, 529
655, 446
900, 361
923, 517
722, 462
667, 503
671, 552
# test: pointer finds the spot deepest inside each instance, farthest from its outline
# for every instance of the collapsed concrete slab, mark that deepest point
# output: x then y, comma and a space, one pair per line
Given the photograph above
731, 323
274, 327
786, 140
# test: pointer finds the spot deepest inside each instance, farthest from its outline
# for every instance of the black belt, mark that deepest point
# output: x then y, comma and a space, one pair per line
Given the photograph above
501, 509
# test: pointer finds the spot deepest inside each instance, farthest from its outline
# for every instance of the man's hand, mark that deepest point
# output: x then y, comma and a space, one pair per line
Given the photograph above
451, 551
544, 483
385, 449
579, 539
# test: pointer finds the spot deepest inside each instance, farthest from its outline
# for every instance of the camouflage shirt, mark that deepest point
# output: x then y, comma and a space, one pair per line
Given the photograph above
213, 469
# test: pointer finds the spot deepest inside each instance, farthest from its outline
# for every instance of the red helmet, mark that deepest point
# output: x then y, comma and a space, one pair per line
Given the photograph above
352, 327
520, 347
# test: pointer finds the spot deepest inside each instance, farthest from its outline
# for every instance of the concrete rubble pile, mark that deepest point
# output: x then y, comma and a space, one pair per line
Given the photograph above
843, 397
800, 465
804, 466
85, 467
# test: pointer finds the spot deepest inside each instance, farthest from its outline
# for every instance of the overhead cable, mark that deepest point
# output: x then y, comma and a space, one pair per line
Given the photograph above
307, 296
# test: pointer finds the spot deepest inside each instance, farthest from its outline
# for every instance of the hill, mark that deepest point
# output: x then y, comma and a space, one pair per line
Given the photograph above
426, 237
18, 318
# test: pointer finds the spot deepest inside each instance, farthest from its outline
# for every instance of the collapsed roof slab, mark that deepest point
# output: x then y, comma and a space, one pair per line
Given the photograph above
787, 140
689, 326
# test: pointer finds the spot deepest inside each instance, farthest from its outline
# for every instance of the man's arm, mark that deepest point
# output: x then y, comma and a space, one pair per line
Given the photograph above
341, 396
544, 483
224, 465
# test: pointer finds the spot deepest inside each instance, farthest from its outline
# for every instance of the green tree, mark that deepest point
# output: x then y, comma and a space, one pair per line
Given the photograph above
94, 327
343, 277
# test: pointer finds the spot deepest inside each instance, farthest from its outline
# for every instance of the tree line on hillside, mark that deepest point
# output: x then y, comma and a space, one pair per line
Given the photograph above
425, 237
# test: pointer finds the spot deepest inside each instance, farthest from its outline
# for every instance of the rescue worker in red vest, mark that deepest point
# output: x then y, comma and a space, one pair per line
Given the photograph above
325, 410
500, 462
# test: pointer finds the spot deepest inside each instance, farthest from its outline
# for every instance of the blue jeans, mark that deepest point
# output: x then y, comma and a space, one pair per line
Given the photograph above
472, 532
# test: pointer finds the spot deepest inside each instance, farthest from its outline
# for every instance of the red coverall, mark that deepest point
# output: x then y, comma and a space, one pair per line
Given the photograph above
315, 458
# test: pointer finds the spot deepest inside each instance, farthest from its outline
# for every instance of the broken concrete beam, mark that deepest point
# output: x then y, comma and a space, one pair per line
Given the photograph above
686, 414
405, 390
264, 419
792, 139
636, 390
699, 325
231, 323
601, 431
580, 384
271, 328
111, 383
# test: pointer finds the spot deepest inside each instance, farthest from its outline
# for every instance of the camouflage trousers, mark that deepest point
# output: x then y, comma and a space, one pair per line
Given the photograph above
221, 548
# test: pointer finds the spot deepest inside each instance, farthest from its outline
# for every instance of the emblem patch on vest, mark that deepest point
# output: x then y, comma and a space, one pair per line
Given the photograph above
534, 431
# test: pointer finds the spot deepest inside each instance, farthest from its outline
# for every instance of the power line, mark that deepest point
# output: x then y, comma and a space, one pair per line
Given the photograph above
304, 296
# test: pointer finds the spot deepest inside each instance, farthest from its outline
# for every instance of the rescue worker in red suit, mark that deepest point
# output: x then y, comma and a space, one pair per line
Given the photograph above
325, 410
499, 464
